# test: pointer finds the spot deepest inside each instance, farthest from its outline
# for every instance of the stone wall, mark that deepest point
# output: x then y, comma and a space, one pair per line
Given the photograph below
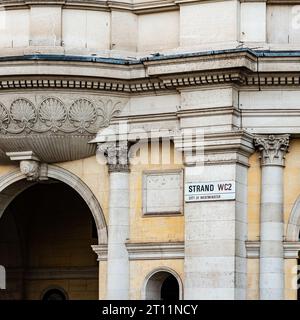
128, 28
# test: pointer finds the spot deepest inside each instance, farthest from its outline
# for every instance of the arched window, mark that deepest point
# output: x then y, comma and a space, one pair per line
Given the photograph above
163, 285
54, 295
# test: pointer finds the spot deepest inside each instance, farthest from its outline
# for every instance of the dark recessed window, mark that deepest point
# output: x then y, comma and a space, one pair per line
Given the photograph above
54, 295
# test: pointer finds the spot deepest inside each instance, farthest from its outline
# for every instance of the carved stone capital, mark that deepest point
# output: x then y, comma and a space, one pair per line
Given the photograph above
117, 155
273, 149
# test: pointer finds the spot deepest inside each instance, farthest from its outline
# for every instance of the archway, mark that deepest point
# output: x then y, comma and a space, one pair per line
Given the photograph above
293, 235
46, 233
54, 294
162, 284
293, 226
15, 182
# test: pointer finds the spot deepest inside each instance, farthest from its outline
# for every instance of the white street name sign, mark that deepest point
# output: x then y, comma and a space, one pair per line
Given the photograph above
209, 191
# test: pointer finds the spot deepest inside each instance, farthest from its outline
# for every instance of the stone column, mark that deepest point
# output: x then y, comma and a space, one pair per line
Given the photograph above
118, 224
273, 149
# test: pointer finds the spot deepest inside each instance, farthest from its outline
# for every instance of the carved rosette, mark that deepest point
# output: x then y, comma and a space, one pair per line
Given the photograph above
116, 154
273, 149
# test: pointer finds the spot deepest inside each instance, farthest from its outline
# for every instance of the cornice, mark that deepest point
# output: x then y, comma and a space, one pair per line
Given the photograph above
137, 8
147, 251
145, 85
220, 147
155, 251
150, 74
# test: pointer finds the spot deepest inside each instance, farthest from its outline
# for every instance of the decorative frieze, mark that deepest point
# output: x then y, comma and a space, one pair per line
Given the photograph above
53, 115
273, 148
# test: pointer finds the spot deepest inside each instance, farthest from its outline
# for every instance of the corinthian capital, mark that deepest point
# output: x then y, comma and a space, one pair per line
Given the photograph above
273, 148
117, 155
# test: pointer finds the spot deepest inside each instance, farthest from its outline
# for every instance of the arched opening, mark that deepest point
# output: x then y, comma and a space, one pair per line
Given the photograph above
170, 289
54, 295
46, 233
163, 285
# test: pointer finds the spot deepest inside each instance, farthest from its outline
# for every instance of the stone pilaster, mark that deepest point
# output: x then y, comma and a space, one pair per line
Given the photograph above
216, 231
118, 225
273, 149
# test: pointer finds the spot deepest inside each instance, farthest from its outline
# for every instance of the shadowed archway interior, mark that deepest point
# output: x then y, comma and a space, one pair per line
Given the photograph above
162, 285
46, 234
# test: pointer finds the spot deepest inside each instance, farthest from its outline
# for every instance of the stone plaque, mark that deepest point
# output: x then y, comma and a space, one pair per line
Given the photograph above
162, 192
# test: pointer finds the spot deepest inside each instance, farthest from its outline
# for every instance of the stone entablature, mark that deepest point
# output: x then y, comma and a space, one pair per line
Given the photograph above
159, 73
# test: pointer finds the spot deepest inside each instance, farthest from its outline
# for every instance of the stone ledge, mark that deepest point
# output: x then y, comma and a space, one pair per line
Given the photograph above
147, 251
291, 249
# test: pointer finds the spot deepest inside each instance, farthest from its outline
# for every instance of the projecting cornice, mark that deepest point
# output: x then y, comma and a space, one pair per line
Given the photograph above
99, 5
138, 7
146, 251
242, 67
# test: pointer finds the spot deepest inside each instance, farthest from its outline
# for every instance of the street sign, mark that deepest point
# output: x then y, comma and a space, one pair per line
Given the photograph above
209, 191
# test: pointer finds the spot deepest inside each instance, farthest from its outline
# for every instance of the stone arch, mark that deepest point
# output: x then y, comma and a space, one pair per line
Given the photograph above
293, 227
54, 287
156, 285
14, 183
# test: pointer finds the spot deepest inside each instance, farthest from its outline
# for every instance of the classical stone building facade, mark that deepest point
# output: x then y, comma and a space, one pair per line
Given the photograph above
208, 93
